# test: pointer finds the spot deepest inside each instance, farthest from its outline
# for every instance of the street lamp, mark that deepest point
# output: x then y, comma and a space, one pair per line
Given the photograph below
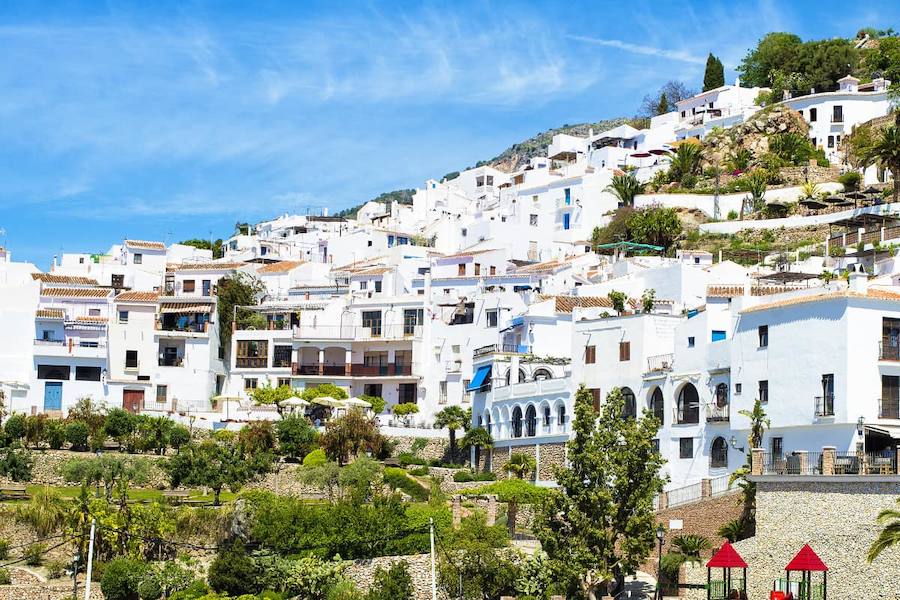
735, 446
860, 430
660, 535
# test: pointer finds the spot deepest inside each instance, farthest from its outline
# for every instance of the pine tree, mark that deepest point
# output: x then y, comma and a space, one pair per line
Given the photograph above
715, 73
663, 105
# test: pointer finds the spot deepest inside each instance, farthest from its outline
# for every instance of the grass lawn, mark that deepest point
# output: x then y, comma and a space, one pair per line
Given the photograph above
134, 495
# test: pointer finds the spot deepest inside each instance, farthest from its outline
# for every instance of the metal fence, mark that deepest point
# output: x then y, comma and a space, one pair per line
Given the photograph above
684, 495
721, 485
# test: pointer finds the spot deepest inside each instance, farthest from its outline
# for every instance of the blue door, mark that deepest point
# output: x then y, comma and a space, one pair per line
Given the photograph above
52, 395
567, 219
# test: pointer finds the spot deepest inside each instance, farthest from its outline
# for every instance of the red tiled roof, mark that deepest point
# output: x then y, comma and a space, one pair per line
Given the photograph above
69, 279
49, 313
209, 266
145, 245
727, 558
135, 296
280, 267
65, 292
565, 304
806, 560
91, 319
871, 294
371, 272
733, 291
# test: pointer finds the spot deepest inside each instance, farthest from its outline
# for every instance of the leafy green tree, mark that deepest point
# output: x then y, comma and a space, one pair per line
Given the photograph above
273, 396
55, 434
885, 59
296, 436
322, 476
109, 470
520, 465
325, 390
618, 300
216, 247
257, 436
233, 571
452, 418
15, 427
647, 300
360, 479
119, 424
477, 558
663, 106
89, 412
714, 76
774, 51
77, 433
378, 403
235, 290
667, 96
405, 410
348, 436
393, 583
759, 422
887, 537
179, 436
216, 465
16, 463
480, 439
152, 433
121, 578
625, 187
600, 525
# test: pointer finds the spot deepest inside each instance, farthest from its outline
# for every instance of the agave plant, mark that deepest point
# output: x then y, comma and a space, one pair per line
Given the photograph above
691, 545
809, 189
791, 147
739, 161
625, 187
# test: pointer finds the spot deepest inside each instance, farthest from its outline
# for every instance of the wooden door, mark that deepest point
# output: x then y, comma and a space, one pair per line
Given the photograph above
133, 400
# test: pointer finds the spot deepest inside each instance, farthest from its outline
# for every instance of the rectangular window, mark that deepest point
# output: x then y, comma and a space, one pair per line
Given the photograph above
87, 373
763, 332
461, 270
123, 316
567, 221
390, 241
371, 320
831, 141
590, 355
372, 389
442, 392
568, 193
117, 281
94, 312
813, 115
595, 393
533, 220
777, 447
252, 354
890, 397
131, 359
138, 259
281, 356
377, 286
491, 318
737, 389
250, 383
813, 142
162, 392
411, 318
363, 285
406, 393
718, 335
188, 286
207, 287
493, 270
624, 351
764, 391
477, 269
691, 342
53, 372
655, 445
685, 447
837, 114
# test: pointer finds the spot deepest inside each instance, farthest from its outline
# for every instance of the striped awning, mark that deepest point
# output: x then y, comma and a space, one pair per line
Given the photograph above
184, 309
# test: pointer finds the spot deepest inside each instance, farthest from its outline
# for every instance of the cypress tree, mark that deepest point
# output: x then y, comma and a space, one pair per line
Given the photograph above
663, 107
715, 73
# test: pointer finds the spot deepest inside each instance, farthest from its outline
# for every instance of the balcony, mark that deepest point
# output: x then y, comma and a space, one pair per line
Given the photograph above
251, 362
824, 406
92, 348
397, 331
718, 414
355, 370
171, 361
888, 350
889, 408
504, 348
660, 363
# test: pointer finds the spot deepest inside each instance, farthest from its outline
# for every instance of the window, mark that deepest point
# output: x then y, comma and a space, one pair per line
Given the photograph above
138, 259
491, 318
777, 447
763, 332
763, 391
691, 341
283, 381
825, 404
630, 408
406, 393
461, 270
624, 351
87, 373
657, 405
363, 285
530, 421
540, 374
737, 389
53, 372
207, 287
813, 142
517, 422
831, 141
162, 392
688, 405
721, 395
718, 454
568, 192
371, 319
390, 241
117, 281
250, 383
377, 286
561, 416
442, 393
94, 312
123, 316
47, 335
567, 221
188, 286
282, 356
685, 447
252, 354
890, 397
411, 318
813, 114
837, 114
718, 335
372, 389
131, 359
595, 392
547, 416
655, 445
533, 220
464, 232
477, 269
493, 270
590, 355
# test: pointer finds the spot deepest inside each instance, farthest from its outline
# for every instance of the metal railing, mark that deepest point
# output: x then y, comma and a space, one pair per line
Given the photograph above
507, 348
825, 405
847, 463
660, 363
717, 414
721, 485
171, 362
793, 463
251, 362
374, 331
718, 590
888, 350
684, 495
356, 370
881, 463
41, 342
889, 408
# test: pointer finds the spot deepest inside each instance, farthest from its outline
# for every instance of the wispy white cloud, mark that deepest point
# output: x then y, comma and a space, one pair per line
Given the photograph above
679, 55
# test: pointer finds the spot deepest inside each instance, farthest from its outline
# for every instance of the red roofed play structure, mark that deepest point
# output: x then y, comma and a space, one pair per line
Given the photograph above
730, 586
806, 562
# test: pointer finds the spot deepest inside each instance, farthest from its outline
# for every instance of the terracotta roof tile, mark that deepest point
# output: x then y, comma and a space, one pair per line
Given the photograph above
733, 291
145, 245
49, 313
68, 279
371, 272
280, 267
871, 294
66, 292
565, 304
136, 296
209, 266
91, 319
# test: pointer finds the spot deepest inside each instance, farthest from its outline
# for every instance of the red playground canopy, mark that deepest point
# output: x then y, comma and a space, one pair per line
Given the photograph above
806, 560
727, 558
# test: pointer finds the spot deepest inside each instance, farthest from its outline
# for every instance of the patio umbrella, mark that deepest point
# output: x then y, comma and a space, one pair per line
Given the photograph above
872, 191
812, 203
779, 203
329, 401
855, 195
846, 202
641, 155
357, 402
833, 199
295, 402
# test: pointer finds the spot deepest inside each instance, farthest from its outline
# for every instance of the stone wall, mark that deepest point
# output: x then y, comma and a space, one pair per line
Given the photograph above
552, 455
48, 462
816, 174
836, 516
27, 585
436, 448
546, 455
362, 572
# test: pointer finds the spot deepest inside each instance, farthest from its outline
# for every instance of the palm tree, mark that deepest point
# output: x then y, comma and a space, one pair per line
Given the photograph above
759, 422
889, 536
886, 152
685, 161
478, 438
453, 418
757, 182
520, 464
739, 160
691, 545
625, 187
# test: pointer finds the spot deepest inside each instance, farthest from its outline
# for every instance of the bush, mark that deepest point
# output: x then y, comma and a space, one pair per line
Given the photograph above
77, 434
15, 427
406, 409
56, 568
394, 583
34, 554
296, 436
850, 180
179, 436
406, 459
233, 571
5, 578
466, 476
16, 464
732, 215
4, 549
316, 458
121, 578
399, 480
377, 402
419, 471
55, 434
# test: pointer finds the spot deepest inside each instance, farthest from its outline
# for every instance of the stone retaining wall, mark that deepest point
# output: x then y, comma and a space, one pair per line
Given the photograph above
363, 571
48, 462
436, 448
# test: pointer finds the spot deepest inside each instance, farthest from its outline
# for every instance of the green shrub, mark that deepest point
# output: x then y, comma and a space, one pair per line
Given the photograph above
732, 215
233, 571
179, 436
56, 568
344, 589
77, 434
378, 403
5, 578
15, 427
419, 472
34, 554
394, 583
466, 476
315, 458
399, 480
55, 434
296, 436
418, 445
850, 180
407, 458
121, 578
16, 464
4, 549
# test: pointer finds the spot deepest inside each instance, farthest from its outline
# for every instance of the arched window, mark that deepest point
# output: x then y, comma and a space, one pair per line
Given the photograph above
517, 422
488, 423
542, 374
688, 405
522, 376
629, 411
718, 454
547, 416
561, 416
508, 374
531, 421
722, 395
657, 404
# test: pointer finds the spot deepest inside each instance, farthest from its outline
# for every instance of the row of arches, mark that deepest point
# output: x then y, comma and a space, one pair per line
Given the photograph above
537, 375
527, 420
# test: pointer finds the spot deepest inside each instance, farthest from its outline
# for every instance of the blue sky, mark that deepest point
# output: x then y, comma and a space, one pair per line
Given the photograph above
174, 120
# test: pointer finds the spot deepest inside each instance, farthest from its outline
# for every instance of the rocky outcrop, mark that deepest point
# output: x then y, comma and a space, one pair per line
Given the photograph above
752, 135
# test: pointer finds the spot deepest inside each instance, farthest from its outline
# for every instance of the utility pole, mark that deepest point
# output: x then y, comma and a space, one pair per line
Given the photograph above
90, 563
75, 577
433, 580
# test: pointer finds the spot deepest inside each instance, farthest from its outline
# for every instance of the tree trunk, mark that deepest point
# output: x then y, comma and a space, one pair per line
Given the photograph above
512, 508
618, 582
216, 493
895, 173
452, 445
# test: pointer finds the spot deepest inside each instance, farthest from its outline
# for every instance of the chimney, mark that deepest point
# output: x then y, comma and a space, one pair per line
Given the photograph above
859, 282
53, 267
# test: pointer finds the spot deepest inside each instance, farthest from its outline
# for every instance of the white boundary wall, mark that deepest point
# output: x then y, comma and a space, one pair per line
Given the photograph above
731, 227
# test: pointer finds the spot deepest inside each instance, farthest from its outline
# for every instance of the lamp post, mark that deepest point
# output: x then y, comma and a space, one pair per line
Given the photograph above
734, 445
861, 432
660, 535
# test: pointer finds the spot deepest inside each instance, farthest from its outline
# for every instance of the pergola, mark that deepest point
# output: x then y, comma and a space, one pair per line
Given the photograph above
726, 558
807, 562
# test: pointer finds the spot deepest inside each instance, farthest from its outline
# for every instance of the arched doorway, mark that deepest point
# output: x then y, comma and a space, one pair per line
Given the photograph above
718, 454
629, 409
657, 405
530, 421
688, 405
517, 422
